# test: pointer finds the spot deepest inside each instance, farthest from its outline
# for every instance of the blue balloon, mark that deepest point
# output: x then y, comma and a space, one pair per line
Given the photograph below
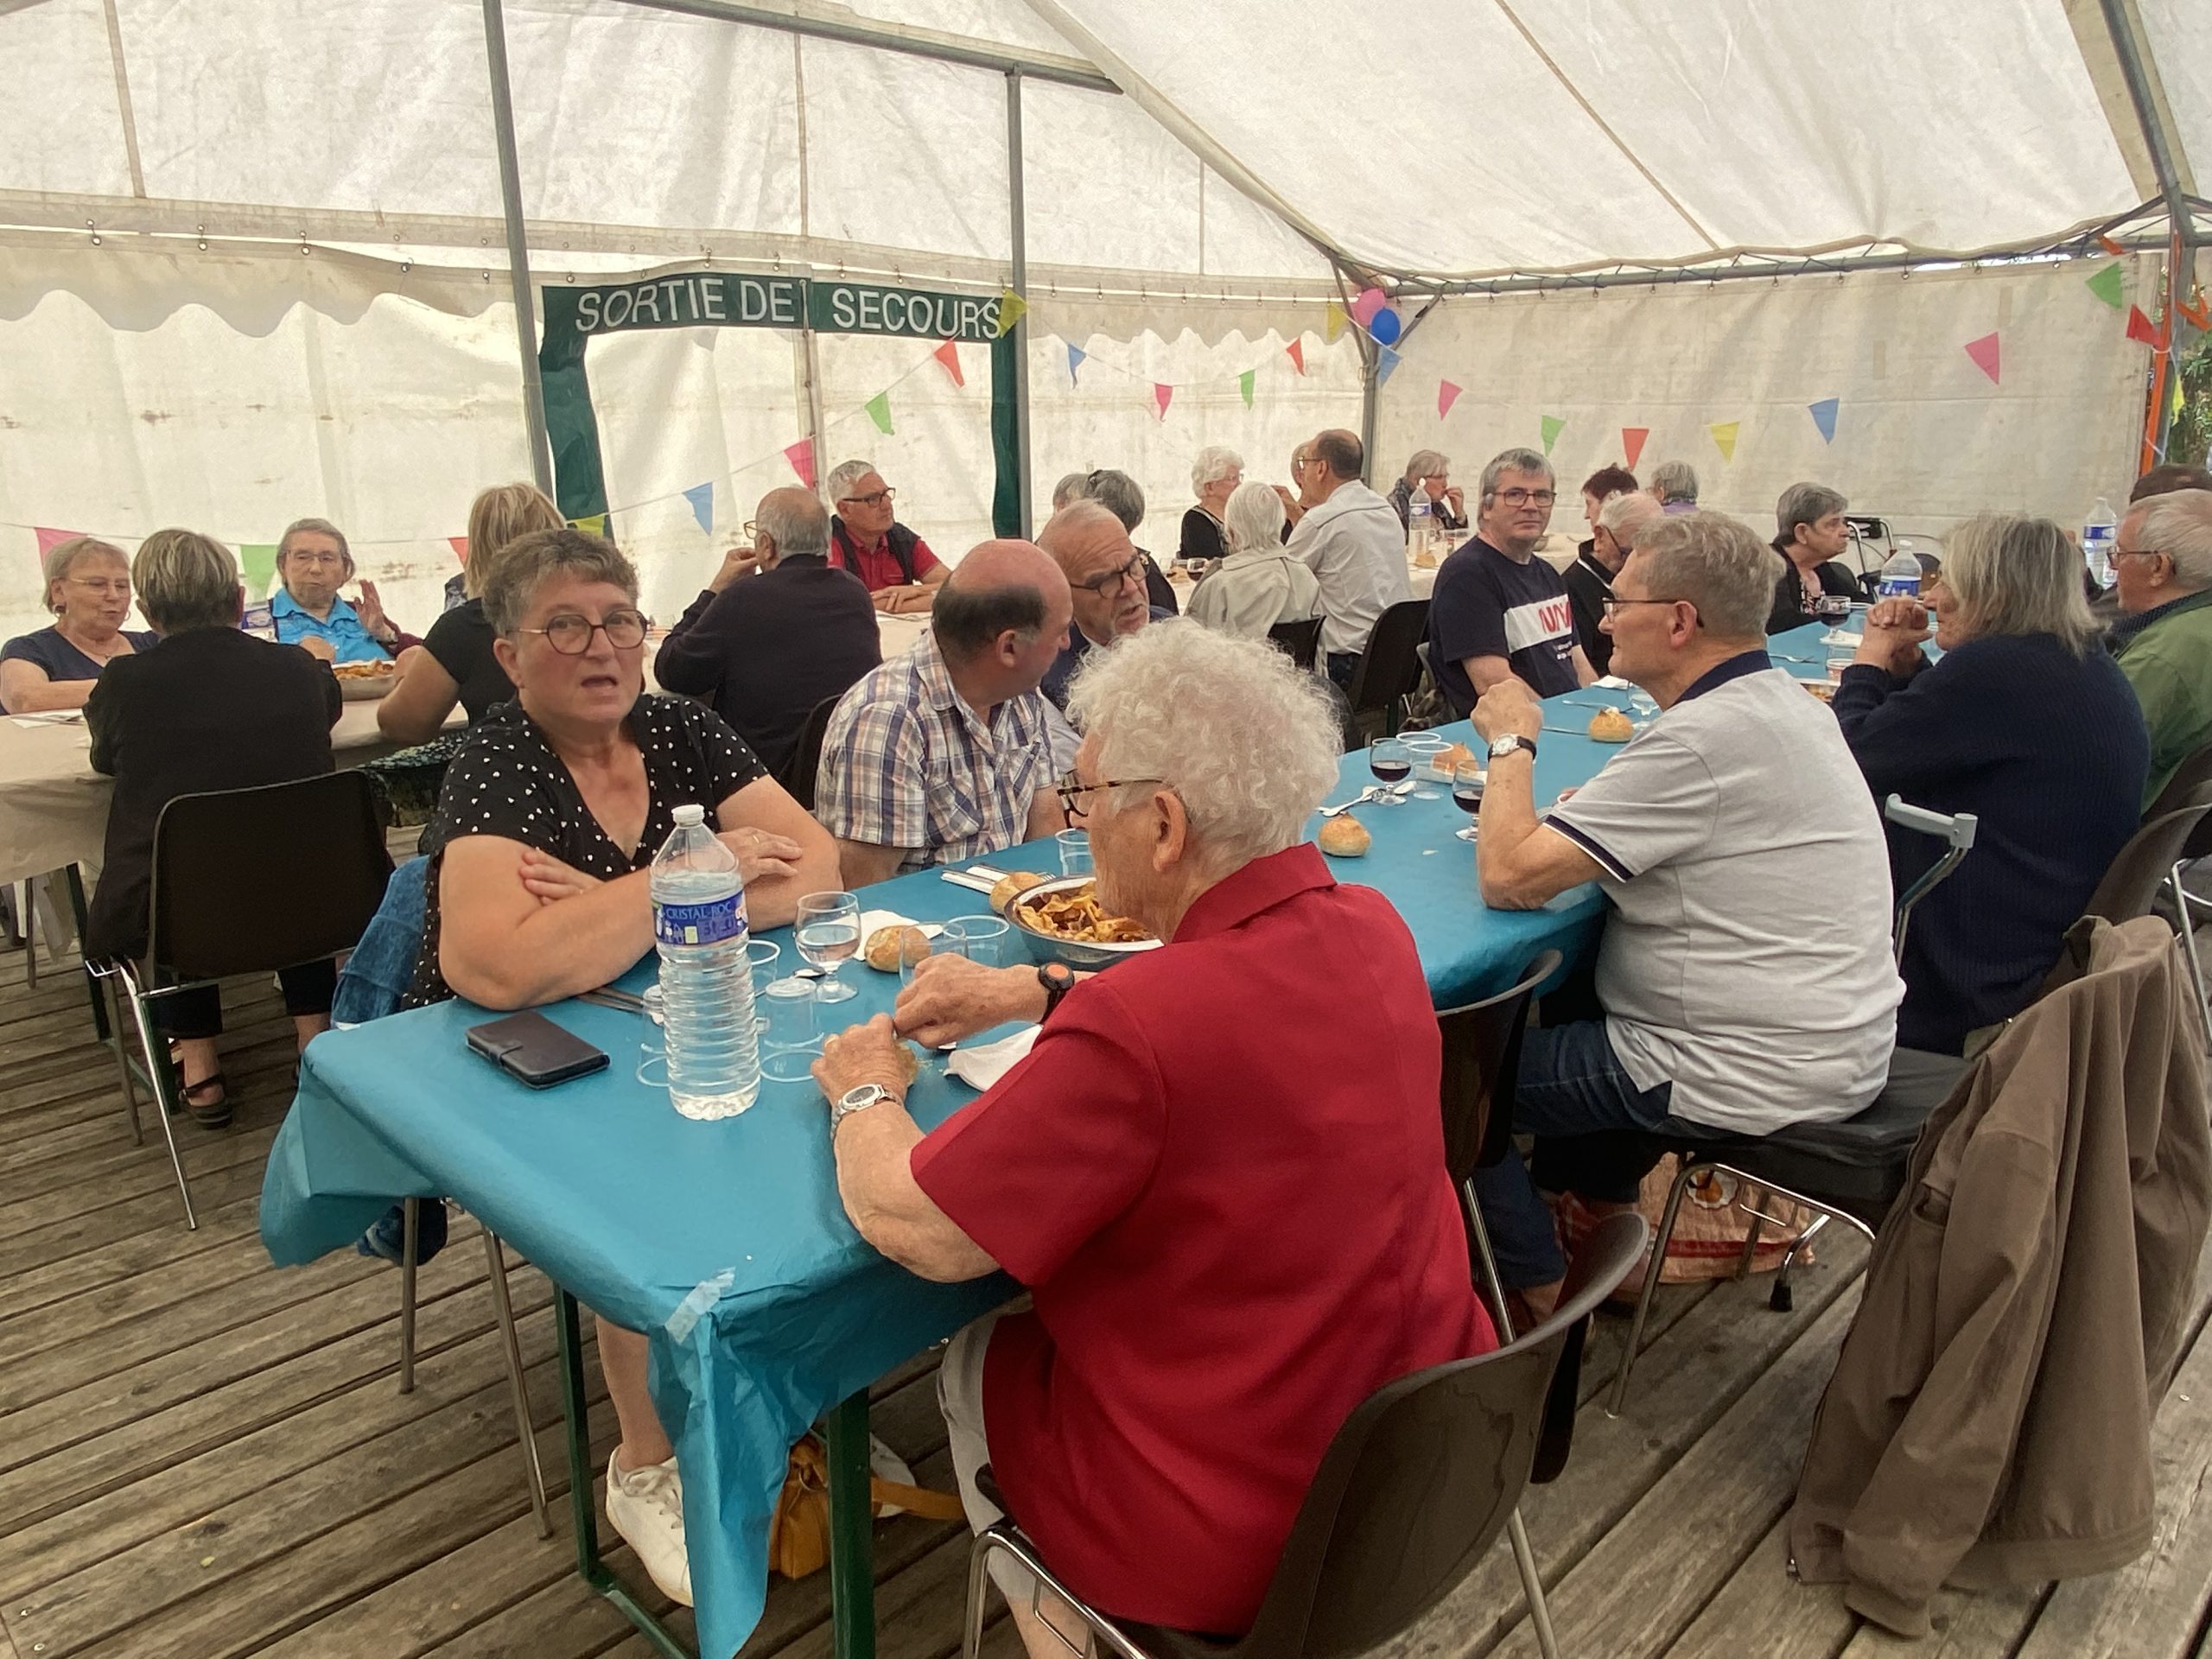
1386, 326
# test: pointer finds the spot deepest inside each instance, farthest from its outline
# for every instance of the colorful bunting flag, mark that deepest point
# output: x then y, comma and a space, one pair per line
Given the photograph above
1823, 415
1296, 351
1553, 425
2199, 312
258, 564
2106, 285
701, 498
50, 539
2139, 328
949, 354
591, 524
1244, 385
1984, 353
801, 456
1724, 436
879, 411
1446, 395
1632, 439
1333, 322
1076, 354
2111, 246
459, 545
1011, 309
1386, 363
1162, 394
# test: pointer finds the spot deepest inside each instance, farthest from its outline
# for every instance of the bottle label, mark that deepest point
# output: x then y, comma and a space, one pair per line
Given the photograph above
1900, 588
718, 922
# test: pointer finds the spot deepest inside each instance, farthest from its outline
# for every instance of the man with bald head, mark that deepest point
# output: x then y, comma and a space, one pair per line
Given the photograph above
776, 631
949, 751
1106, 585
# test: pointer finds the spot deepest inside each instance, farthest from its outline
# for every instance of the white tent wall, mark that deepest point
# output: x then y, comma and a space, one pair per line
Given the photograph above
1921, 435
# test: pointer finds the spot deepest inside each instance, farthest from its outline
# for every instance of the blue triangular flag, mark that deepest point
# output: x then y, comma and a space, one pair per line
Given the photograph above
1076, 354
701, 498
1385, 361
1824, 417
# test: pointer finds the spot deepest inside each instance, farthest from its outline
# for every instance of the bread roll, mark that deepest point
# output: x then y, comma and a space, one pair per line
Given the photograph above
1004, 890
1345, 836
1610, 726
887, 945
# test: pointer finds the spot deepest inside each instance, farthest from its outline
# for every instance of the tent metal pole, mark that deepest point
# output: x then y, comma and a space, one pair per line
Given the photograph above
1018, 213
2120, 23
503, 127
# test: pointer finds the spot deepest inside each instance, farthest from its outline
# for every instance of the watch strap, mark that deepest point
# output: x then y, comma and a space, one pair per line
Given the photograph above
1058, 980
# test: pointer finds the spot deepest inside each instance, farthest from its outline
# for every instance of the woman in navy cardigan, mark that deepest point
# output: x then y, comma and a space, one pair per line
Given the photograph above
2024, 722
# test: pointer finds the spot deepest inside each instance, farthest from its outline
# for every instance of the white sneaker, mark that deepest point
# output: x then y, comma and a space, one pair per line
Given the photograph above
646, 1507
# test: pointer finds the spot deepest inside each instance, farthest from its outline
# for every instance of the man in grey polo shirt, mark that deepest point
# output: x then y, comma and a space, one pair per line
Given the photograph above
1745, 975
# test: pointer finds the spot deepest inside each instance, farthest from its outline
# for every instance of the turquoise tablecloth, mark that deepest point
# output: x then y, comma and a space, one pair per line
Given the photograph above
725, 1242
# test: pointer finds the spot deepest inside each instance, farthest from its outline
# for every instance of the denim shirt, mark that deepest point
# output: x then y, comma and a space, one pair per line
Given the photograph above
343, 630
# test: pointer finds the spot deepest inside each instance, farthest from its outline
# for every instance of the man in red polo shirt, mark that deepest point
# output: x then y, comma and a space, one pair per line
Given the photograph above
1220, 1171
894, 564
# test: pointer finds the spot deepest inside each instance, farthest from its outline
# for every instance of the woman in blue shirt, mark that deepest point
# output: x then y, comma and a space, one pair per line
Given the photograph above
88, 590
313, 561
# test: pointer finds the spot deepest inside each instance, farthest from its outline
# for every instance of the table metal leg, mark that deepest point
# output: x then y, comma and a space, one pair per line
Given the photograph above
852, 1529
78, 909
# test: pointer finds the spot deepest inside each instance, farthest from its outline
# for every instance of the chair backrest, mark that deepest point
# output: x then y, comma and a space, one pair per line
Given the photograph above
249, 880
1390, 667
1417, 1485
1954, 830
800, 771
1300, 641
2144, 864
1482, 1059
2189, 781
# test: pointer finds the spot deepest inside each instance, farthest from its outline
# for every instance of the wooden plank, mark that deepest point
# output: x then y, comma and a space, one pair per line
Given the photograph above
1762, 1609
125, 1259
1961, 1626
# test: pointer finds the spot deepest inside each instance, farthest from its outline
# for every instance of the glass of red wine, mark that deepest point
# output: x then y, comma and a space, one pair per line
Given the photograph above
1467, 795
1391, 762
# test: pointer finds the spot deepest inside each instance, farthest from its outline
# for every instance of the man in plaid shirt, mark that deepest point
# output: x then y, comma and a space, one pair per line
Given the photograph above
949, 751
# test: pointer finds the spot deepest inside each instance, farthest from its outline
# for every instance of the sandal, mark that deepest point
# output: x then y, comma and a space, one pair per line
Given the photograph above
209, 1114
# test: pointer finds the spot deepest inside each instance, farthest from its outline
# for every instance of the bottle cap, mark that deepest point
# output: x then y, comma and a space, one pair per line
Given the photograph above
688, 814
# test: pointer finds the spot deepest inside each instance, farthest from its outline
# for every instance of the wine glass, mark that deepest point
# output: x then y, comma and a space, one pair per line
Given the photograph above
1467, 780
1391, 762
827, 930
1425, 747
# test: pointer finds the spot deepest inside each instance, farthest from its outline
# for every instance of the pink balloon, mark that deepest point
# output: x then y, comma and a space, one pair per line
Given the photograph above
1371, 300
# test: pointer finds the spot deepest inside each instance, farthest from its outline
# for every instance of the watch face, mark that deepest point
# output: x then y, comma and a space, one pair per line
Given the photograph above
866, 1095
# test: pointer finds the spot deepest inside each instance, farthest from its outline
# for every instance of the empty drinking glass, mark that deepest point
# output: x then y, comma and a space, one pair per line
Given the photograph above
785, 1010
826, 931
652, 1041
980, 938
1075, 851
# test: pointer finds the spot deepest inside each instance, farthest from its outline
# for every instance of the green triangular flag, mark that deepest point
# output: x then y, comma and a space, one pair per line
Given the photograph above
1244, 385
1554, 425
258, 564
2106, 285
879, 411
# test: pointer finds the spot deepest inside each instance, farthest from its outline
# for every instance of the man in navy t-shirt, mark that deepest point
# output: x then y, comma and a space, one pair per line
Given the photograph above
1499, 611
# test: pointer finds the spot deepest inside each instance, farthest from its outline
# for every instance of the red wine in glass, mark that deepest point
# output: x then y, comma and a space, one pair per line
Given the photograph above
1467, 795
1389, 770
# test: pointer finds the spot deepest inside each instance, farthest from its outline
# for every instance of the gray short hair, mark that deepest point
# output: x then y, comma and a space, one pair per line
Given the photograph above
314, 527
843, 476
528, 562
1514, 461
1625, 517
1424, 463
1674, 481
798, 524
57, 561
1182, 702
2014, 574
1254, 516
1117, 493
2179, 525
1717, 563
1804, 504
1215, 462
185, 580
1069, 488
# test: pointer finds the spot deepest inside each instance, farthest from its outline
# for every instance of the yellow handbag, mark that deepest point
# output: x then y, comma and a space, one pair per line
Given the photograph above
798, 1537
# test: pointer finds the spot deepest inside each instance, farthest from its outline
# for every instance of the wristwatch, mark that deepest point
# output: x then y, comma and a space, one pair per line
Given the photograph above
855, 1100
1510, 743
1057, 979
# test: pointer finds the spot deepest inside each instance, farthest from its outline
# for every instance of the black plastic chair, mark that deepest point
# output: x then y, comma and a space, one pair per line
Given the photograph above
246, 881
1411, 1494
2146, 865
2189, 780
1389, 669
800, 771
1300, 641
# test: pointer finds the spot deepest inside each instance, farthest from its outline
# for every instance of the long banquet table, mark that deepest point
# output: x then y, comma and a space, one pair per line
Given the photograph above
725, 1242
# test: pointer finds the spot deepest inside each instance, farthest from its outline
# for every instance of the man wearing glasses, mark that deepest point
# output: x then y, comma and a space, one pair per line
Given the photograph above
1351, 540
1105, 576
894, 563
2162, 571
1499, 612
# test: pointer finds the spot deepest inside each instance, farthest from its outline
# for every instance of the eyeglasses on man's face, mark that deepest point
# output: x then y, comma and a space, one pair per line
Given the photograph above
1071, 788
1521, 498
570, 634
1612, 603
873, 499
1107, 580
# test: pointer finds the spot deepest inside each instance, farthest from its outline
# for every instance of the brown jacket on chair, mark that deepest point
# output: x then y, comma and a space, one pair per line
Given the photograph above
1989, 1419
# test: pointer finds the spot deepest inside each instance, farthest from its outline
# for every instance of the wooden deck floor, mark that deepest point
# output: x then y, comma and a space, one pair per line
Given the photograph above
202, 1457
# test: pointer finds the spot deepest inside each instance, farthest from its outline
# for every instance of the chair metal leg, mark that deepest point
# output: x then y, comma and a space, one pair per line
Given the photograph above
1750, 1239
1779, 1299
1532, 1585
1486, 1260
1618, 1398
105, 995
28, 892
1102, 1635
411, 1232
971, 1623
2189, 952
165, 1111
496, 1259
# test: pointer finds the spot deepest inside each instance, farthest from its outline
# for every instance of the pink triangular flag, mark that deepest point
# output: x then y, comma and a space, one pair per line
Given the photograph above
1446, 395
1632, 439
1984, 352
947, 354
1297, 350
459, 545
50, 539
1162, 394
801, 456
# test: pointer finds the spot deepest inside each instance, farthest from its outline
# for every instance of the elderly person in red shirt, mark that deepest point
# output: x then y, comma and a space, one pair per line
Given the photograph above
1219, 1173
894, 563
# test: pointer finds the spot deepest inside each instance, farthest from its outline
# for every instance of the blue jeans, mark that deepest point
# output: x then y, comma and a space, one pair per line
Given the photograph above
383, 964
1598, 1134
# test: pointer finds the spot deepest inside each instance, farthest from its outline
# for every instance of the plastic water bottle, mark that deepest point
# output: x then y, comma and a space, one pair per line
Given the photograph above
2099, 532
705, 984
1420, 523
1901, 576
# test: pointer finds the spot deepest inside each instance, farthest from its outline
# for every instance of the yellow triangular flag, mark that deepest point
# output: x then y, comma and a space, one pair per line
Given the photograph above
1724, 434
594, 525
1011, 309
1334, 324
